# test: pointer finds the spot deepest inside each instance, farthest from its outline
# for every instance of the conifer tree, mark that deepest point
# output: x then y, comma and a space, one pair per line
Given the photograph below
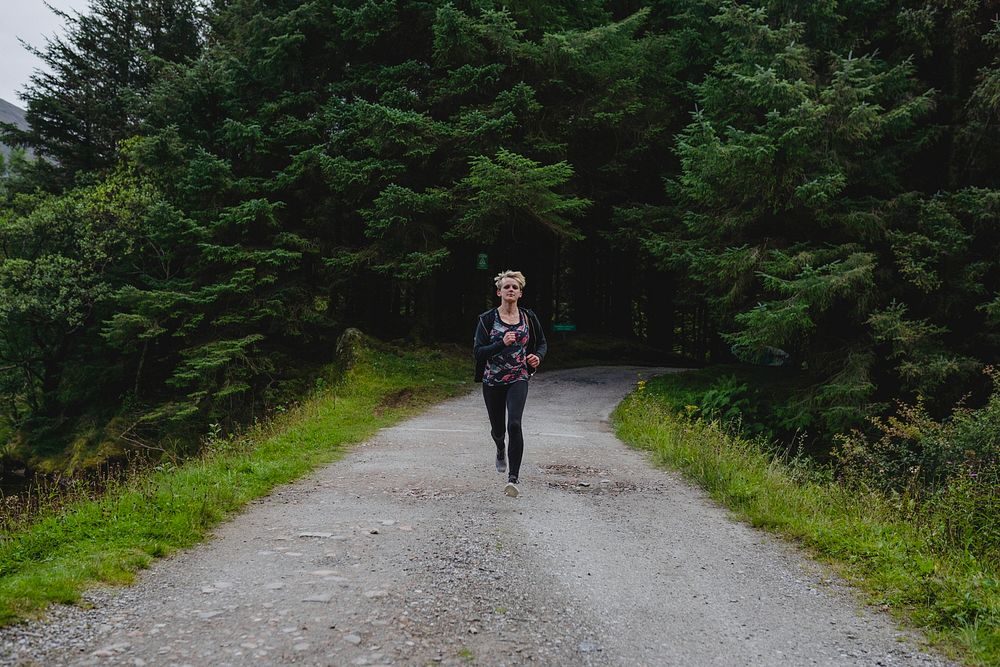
91, 94
830, 190
786, 171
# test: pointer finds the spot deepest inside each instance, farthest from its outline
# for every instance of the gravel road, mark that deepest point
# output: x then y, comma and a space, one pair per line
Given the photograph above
407, 552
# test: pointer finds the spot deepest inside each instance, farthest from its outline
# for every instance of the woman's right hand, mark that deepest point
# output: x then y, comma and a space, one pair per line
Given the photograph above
509, 338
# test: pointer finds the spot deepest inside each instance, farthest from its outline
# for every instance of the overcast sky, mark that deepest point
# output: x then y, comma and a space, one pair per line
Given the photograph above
32, 21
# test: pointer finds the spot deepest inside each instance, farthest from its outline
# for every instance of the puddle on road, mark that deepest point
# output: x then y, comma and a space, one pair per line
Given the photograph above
607, 488
581, 479
426, 494
566, 469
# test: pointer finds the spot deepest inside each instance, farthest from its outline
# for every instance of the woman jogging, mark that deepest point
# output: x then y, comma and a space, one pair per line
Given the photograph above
509, 346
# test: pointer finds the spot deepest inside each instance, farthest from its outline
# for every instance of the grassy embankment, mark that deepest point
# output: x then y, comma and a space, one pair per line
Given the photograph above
894, 556
109, 539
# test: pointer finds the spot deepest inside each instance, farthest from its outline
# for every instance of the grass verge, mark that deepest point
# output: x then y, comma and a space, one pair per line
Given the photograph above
950, 595
109, 539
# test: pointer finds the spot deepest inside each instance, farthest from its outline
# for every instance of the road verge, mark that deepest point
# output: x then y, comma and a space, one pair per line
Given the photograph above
107, 540
946, 593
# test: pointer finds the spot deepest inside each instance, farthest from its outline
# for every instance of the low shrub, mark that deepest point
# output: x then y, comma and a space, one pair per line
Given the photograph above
755, 401
946, 473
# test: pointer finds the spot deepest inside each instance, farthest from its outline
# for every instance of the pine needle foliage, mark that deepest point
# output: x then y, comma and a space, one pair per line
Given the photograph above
797, 224
722, 180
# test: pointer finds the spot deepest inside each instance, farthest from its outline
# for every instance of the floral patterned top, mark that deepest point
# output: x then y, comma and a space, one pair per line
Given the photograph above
509, 365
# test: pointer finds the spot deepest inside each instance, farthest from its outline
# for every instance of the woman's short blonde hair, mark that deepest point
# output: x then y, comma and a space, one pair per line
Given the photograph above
516, 275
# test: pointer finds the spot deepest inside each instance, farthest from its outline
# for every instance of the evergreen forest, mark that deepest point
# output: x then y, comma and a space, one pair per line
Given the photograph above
220, 189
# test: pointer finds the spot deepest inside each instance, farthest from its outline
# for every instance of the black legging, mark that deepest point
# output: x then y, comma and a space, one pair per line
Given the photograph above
509, 397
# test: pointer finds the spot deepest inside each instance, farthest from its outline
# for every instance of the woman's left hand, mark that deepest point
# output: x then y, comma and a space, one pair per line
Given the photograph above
533, 360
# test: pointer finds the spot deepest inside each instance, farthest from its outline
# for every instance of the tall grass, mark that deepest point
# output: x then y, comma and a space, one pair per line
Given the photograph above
47, 494
890, 552
108, 539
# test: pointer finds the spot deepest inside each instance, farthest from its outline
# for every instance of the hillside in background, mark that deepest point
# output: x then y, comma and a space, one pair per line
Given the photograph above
11, 114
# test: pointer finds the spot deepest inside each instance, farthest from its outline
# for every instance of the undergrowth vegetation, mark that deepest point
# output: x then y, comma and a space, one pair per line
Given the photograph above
909, 512
62, 549
757, 400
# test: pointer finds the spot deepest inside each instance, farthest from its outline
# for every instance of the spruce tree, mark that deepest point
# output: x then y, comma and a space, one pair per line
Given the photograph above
786, 171
98, 72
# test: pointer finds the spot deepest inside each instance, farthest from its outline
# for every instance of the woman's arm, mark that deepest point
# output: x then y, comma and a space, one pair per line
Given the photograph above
482, 348
541, 345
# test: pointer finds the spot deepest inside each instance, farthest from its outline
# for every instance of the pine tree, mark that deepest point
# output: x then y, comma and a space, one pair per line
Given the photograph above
99, 72
786, 172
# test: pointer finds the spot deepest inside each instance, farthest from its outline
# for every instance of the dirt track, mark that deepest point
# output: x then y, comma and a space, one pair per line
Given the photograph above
407, 552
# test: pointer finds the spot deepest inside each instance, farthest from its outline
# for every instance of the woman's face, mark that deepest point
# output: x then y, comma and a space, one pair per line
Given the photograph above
509, 290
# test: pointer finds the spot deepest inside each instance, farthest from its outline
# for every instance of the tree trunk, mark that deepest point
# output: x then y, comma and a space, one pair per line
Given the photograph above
659, 290
620, 294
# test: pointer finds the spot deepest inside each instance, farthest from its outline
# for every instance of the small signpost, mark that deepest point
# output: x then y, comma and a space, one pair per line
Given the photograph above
563, 328
482, 262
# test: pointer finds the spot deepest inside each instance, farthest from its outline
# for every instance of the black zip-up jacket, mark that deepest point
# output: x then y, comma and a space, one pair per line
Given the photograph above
483, 349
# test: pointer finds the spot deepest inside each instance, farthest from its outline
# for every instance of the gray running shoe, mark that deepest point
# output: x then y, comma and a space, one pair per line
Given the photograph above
501, 462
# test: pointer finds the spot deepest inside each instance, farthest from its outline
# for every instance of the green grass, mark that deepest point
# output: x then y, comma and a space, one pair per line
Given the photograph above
107, 540
891, 556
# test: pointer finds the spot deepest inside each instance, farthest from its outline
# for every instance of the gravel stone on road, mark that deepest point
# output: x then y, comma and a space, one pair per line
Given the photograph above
407, 552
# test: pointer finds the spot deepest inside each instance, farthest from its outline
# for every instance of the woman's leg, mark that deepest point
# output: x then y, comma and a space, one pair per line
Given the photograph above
517, 393
496, 403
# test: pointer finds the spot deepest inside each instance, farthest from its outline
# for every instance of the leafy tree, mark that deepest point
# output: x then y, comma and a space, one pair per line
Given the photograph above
62, 261
15, 170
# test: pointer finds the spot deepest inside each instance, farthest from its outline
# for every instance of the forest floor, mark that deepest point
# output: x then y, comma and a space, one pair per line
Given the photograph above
407, 552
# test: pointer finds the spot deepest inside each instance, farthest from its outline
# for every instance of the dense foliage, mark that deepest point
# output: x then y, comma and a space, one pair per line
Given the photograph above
228, 186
